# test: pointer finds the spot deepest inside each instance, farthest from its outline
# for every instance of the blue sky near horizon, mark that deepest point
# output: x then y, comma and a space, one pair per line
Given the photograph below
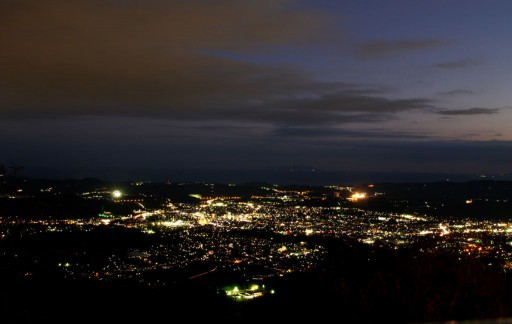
399, 86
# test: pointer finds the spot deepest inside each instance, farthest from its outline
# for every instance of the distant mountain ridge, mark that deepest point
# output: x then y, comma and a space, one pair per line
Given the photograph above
307, 175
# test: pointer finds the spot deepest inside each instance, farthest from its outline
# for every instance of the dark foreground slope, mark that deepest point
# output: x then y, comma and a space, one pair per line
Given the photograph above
357, 283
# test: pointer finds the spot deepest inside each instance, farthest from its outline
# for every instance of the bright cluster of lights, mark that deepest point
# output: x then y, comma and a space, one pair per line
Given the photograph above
444, 229
253, 291
357, 196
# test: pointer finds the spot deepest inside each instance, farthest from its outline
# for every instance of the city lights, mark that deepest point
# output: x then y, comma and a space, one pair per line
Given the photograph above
357, 196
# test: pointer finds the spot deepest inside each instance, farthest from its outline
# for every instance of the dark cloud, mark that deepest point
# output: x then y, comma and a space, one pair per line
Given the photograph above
339, 107
459, 64
375, 90
157, 59
489, 134
147, 58
385, 49
470, 111
344, 102
457, 92
336, 133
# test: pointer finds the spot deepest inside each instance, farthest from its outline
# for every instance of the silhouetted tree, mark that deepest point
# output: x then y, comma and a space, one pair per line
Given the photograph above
9, 180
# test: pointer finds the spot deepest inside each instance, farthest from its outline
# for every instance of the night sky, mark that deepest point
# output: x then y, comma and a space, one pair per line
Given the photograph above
114, 88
